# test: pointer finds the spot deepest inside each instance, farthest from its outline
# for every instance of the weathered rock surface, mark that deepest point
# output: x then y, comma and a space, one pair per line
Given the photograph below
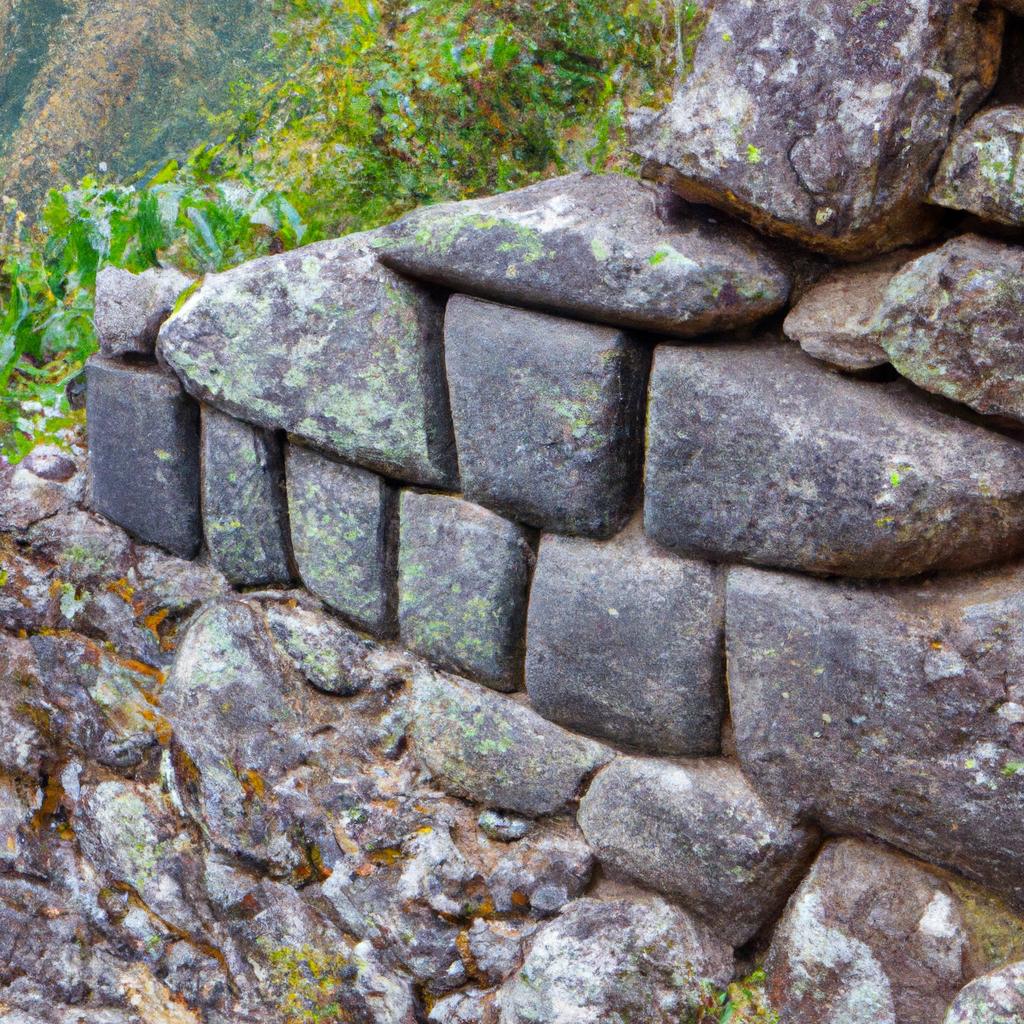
996, 998
487, 748
245, 519
131, 307
548, 415
463, 577
951, 323
329, 345
144, 453
824, 121
893, 710
594, 247
872, 937
980, 171
617, 959
625, 644
771, 459
697, 832
344, 523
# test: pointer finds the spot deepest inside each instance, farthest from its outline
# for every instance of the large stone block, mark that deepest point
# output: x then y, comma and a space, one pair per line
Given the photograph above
756, 453
131, 307
548, 415
326, 343
344, 524
894, 710
600, 247
463, 577
823, 120
696, 831
995, 998
245, 517
624, 642
144, 454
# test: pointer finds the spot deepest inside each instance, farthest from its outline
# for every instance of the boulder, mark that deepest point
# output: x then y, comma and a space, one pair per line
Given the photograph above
344, 524
329, 345
46, 482
756, 453
491, 750
624, 642
697, 832
131, 307
823, 120
548, 415
894, 710
996, 998
979, 172
950, 322
599, 247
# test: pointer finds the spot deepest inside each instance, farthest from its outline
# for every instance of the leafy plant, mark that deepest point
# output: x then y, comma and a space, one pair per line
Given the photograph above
743, 1002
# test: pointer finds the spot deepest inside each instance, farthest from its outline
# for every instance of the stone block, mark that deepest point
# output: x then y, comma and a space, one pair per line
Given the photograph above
131, 307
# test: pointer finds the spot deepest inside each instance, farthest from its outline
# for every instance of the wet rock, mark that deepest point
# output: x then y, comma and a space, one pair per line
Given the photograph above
492, 750
463, 575
506, 828
244, 518
45, 483
621, 959
755, 453
327, 344
344, 523
824, 122
996, 998
979, 172
893, 710
144, 454
594, 247
625, 644
696, 831
548, 415
131, 307
950, 322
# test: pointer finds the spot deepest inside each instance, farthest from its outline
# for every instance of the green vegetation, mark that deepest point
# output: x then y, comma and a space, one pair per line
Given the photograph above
743, 1002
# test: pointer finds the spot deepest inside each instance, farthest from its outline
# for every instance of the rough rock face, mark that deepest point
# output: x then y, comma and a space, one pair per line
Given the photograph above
329, 345
951, 323
893, 710
980, 171
872, 937
996, 998
824, 120
697, 832
593, 247
131, 307
773, 460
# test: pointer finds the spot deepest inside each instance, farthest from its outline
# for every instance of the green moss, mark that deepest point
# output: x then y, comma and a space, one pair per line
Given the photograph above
309, 984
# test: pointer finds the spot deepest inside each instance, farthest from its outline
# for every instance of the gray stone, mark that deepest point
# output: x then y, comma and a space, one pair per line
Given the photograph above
245, 520
548, 414
756, 453
541, 874
43, 484
823, 120
496, 948
696, 831
996, 998
327, 344
951, 323
627, 959
625, 643
345, 535
463, 576
131, 307
144, 454
489, 749
506, 828
598, 247
892, 710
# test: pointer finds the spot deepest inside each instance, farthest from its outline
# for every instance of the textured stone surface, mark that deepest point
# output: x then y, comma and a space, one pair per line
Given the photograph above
598, 247
245, 519
463, 576
756, 453
484, 747
344, 523
548, 415
144, 454
625, 642
43, 484
628, 959
697, 832
894, 710
329, 345
872, 937
824, 120
980, 171
996, 998
131, 307
951, 323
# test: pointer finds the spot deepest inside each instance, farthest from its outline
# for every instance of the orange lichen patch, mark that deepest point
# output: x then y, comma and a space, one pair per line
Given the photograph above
386, 857
253, 783
316, 858
53, 798
153, 622
520, 899
123, 589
